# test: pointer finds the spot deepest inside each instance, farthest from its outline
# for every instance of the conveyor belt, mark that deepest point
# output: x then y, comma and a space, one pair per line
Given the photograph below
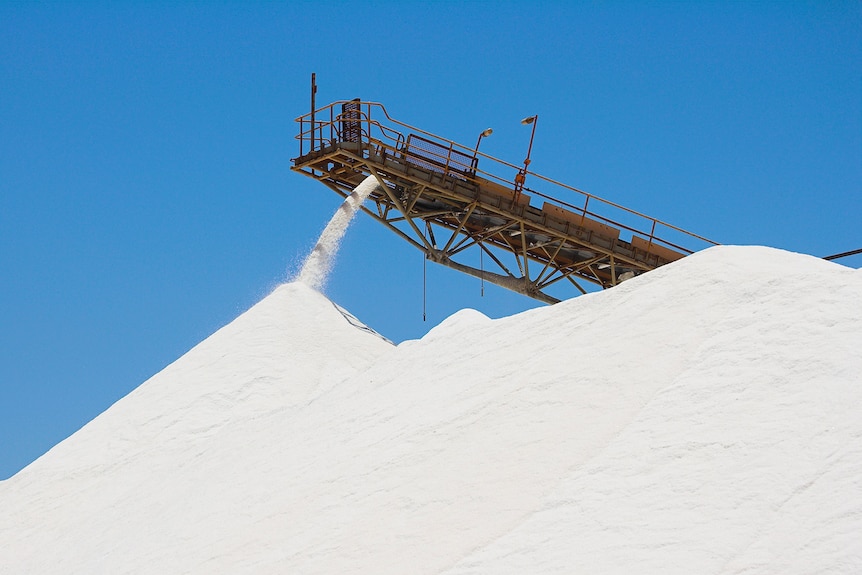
434, 195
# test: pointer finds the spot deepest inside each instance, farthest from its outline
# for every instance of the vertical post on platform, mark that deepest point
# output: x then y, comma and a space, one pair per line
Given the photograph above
521, 176
313, 124
651, 235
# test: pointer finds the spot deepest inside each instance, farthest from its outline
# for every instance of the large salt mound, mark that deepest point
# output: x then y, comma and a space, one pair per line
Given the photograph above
702, 418
178, 475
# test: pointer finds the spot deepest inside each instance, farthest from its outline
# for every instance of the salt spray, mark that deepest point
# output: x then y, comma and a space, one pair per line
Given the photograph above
319, 262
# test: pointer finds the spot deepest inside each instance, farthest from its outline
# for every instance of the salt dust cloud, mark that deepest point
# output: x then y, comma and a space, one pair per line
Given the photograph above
319, 262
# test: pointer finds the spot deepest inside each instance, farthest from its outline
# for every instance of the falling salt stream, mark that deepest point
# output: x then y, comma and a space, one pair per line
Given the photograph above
319, 262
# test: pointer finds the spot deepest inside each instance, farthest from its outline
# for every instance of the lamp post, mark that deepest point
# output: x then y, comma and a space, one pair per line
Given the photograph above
485, 133
521, 176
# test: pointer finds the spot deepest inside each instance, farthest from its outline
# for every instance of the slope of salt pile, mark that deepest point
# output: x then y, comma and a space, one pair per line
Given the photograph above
747, 455
702, 418
183, 468
689, 407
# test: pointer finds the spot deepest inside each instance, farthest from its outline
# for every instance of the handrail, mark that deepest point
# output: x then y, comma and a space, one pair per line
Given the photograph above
363, 118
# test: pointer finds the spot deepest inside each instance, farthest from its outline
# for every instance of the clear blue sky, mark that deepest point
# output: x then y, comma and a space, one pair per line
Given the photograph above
146, 197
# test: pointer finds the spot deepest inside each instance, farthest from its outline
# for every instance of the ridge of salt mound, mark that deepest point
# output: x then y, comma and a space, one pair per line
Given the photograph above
462, 322
284, 350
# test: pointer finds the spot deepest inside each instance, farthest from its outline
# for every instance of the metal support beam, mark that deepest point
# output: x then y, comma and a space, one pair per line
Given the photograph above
426, 181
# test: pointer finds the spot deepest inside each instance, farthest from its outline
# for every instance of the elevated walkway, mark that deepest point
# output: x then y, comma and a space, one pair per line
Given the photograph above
434, 195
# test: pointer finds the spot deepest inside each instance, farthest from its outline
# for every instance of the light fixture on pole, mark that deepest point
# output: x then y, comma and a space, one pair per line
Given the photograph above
487, 132
521, 176
484, 134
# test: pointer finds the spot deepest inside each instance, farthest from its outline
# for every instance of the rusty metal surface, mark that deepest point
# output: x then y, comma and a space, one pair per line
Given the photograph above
433, 194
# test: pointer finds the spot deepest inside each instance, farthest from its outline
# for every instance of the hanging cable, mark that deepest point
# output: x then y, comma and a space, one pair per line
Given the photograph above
424, 282
482, 269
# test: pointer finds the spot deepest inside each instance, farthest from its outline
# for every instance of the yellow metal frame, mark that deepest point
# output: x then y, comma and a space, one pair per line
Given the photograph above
429, 183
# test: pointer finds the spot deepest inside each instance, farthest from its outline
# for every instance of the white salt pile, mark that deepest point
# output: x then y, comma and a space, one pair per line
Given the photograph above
701, 418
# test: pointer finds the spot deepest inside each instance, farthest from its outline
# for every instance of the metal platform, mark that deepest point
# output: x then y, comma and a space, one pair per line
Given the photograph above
445, 198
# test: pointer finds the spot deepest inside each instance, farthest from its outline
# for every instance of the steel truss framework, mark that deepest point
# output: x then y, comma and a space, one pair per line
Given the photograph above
432, 194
